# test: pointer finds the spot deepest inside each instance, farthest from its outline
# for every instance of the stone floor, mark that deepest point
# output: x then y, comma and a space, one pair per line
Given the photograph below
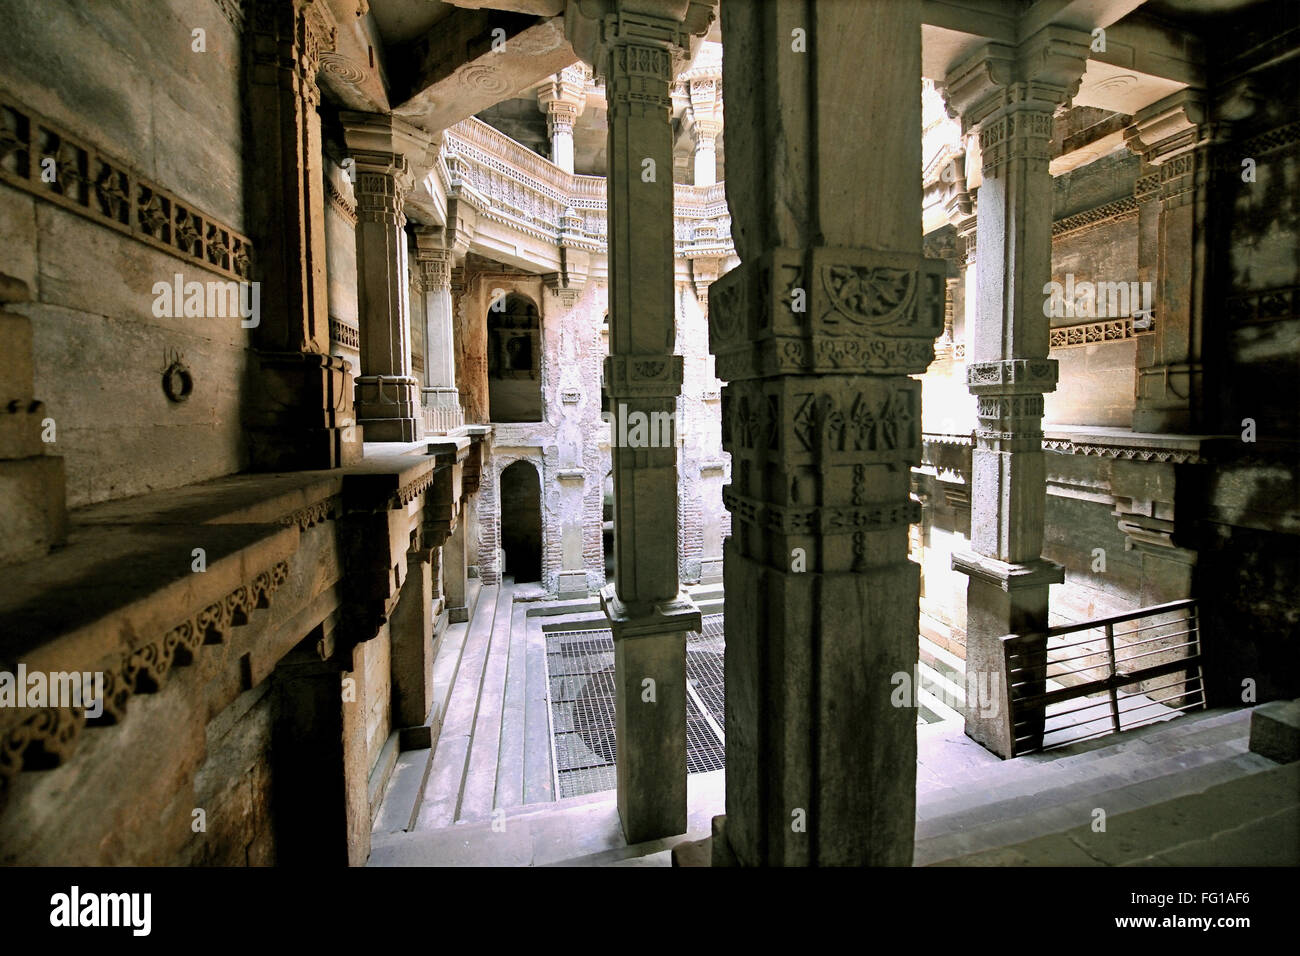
486, 794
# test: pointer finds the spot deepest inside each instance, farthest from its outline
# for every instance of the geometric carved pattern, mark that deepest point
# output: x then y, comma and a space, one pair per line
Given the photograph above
1090, 333
97, 186
47, 737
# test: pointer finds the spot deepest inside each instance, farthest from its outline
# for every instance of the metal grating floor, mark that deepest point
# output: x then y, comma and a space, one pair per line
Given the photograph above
580, 674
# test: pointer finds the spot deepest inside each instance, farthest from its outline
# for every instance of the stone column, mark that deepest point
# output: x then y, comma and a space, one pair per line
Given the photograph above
411, 632
441, 400
563, 99
300, 410
1176, 140
1009, 94
706, 124
387, 391
649, 614
816, 333
454, 568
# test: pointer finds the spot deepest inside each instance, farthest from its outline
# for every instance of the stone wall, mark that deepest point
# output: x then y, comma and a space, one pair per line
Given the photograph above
132, 88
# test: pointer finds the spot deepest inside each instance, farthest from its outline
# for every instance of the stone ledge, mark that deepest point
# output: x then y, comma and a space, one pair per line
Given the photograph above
1007, 576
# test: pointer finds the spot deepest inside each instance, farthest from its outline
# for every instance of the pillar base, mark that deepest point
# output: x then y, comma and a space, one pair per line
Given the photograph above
387, 407
441, 410
1001, 598
301, 415
650, 709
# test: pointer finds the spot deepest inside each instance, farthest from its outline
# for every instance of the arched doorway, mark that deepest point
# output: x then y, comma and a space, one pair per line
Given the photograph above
514, 360
521, 522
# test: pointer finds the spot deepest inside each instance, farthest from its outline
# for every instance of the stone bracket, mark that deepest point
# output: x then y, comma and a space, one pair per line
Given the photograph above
1008, 576
643, 376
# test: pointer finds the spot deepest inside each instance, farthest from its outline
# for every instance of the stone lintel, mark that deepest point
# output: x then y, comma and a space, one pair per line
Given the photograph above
677, 615
1009, 577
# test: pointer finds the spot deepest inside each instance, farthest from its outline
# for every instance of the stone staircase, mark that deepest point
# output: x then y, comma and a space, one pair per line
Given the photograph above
1185, 792
490, 728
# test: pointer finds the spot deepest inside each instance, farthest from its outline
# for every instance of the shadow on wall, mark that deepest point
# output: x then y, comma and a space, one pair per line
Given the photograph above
521, 522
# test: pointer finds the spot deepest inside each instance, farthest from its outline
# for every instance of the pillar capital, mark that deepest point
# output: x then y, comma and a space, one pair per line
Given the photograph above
1173, 126
1038, 75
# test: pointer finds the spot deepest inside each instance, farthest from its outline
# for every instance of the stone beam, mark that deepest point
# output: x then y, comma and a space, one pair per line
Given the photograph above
472, 60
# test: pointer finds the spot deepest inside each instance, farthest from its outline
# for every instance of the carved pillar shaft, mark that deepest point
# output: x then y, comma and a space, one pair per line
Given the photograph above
1177, 142
816, 334
705, 135
387, 392
1010, 94
300, 413
441, 400
648, 613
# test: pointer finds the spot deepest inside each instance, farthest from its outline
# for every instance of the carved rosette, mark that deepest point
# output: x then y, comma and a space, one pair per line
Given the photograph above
650, 376
827, 311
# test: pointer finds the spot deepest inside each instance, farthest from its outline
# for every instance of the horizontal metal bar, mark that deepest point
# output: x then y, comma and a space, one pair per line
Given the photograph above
1120, 618
1089, 688
1104, 702
1160, 650
1190, 619
1153, 640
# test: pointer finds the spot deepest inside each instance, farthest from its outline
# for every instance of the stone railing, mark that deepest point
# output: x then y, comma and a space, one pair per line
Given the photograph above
513, 185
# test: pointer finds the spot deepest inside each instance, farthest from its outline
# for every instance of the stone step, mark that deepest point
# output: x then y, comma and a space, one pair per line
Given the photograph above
478, 796
576, 831
539, 773
440, 799
511, 754
1056, 811
1250, 819
572, 606
1142, 740
1124, 758
406, 785
584, 621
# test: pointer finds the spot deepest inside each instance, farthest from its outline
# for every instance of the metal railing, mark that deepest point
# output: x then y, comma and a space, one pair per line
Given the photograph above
1079, 681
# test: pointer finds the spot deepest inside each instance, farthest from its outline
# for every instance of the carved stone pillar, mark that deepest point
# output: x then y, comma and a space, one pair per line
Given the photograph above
706, 124
816, 333
1009, 94
387, 391
562, 100
441, 400
300, 412
649, 613
1176, 140
704, 134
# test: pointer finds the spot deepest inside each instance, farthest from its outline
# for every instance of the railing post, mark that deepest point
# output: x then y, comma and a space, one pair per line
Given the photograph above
1110, 658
